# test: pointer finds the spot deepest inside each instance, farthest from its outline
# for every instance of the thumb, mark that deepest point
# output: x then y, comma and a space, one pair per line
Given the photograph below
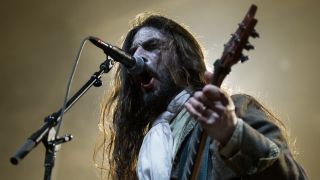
208, 76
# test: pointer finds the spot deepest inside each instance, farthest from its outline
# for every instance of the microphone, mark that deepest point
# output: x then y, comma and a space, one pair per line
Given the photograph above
134, 64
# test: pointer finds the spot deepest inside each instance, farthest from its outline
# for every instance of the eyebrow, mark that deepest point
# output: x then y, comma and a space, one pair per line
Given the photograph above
134, 46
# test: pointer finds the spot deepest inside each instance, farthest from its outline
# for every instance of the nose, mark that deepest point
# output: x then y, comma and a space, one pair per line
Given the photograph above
141, 52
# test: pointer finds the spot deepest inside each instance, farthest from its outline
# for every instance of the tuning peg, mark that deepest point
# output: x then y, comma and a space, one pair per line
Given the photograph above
231, 53
254, 34
244, 58
248, 46
242, 26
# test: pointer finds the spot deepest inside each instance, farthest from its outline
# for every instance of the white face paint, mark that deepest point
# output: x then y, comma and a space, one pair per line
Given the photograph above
147, 44
156, 83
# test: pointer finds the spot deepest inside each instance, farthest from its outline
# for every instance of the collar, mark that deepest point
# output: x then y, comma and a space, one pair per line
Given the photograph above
174, 107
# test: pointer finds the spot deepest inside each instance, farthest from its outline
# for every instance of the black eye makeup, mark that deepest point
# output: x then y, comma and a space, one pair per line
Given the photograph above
132, 50
149, 45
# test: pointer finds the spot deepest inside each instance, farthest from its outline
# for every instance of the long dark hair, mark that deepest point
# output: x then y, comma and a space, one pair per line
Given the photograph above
123, 137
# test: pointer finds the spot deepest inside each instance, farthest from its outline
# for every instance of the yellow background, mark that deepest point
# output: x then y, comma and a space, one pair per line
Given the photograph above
39, 41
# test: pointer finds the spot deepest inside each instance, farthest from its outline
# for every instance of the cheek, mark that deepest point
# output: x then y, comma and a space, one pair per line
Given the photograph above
154, 60
156, 57
164, 73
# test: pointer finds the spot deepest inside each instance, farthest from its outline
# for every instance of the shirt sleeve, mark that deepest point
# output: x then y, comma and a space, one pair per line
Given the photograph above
234, 143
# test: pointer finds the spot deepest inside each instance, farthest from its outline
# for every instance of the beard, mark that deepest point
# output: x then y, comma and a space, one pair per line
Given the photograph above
156, 101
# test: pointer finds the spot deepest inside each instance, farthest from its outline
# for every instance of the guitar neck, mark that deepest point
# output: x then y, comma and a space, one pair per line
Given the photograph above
231, 55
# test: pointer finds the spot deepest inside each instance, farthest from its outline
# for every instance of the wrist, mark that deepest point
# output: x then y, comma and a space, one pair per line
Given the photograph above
226, 133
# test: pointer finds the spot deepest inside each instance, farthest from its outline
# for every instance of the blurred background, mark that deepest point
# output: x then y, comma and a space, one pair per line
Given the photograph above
40, 40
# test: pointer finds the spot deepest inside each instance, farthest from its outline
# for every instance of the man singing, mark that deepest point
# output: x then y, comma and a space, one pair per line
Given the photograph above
154, 114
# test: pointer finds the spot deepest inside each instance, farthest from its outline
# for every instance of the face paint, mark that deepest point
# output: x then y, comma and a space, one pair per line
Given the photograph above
156, 82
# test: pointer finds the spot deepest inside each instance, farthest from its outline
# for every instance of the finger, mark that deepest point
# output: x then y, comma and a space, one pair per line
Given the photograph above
195, 114
197, 105
190, 108
201, 97
210, 117
216, 113
214, 93
218, 108
208, 76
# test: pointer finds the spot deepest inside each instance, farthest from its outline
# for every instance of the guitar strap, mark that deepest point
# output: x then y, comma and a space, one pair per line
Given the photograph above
203, 172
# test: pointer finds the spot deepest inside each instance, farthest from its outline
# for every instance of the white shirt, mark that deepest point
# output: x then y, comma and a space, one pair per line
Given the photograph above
155, 156
156, 152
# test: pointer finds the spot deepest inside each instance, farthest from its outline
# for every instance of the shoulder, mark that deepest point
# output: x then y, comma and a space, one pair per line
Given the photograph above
259, 117
245, 104
255, 113
244, 100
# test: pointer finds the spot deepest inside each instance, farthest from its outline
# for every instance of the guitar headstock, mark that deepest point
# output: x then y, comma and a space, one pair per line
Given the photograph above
239, 40
232, 53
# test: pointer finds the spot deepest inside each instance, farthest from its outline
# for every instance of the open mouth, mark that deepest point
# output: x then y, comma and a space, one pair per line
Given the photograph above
146, 81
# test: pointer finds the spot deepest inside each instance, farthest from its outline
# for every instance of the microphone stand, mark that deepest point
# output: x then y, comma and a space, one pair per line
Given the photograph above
47, 132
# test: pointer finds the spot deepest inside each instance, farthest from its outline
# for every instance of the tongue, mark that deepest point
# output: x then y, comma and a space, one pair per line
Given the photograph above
148, 86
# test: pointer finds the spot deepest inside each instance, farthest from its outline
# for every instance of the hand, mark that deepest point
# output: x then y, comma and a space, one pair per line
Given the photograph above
214, 110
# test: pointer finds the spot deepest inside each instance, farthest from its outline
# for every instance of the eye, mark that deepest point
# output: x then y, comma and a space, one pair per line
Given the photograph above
132, 50
151, 45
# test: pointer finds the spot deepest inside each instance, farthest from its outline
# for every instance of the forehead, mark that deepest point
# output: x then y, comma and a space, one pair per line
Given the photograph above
147, 33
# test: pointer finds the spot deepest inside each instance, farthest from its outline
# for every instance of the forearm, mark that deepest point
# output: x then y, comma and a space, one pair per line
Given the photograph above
249, 152
259, 150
